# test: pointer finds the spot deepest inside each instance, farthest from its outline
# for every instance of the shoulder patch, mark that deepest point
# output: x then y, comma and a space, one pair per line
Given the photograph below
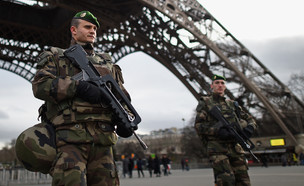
206, 102
57, 51
49, 55
201, 103
207, 99
43, 58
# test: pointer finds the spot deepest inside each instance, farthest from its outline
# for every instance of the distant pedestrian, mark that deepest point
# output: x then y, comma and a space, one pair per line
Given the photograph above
156, 166
125, 166
150, 165
187, 165
264, 160
130, 167
284, 159
165, 163
289, 159
183, 163
295, 159
301, 157
169, 166
139, 167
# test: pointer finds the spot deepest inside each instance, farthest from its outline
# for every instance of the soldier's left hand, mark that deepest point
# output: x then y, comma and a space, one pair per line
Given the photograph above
248, 131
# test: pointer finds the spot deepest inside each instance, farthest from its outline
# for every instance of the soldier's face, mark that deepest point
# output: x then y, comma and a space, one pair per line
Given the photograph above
218, 87
85, 32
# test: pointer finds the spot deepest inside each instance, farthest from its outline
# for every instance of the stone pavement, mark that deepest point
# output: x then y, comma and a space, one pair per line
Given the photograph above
260, 176
271, 176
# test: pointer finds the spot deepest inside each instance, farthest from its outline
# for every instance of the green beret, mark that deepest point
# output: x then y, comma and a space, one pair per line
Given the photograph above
87, 16
217, 77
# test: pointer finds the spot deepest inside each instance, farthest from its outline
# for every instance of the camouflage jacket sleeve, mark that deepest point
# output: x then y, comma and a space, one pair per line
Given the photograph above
204, 124
117, 74
47, 85
249, 120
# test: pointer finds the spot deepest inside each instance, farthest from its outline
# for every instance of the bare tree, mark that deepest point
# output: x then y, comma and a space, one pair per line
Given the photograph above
129, 148
296, 85
191, 144
7, 154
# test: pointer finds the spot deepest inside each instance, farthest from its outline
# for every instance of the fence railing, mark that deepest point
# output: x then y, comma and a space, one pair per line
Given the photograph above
22, 177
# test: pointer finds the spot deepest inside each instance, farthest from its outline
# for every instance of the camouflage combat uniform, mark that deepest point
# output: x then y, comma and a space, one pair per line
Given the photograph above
84, 131
227, 156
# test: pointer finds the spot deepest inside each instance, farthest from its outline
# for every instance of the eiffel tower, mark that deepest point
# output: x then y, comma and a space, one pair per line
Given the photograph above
180, 34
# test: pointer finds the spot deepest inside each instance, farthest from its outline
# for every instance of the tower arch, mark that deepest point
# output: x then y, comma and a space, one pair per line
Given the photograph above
180, 34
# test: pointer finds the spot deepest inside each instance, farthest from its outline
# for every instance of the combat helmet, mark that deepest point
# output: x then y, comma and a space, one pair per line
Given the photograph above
35, 148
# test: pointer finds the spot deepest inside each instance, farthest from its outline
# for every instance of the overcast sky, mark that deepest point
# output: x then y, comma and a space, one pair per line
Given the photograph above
271, 29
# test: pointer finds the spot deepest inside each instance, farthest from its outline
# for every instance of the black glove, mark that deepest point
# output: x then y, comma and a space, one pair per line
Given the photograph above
248, 131
224, 134
123, 131
90, 93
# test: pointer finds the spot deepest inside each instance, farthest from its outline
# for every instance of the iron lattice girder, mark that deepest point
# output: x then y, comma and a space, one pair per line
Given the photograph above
180, 34
232, 59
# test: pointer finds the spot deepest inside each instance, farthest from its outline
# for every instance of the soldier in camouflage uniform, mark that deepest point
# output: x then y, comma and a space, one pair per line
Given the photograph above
227, 156
83, 122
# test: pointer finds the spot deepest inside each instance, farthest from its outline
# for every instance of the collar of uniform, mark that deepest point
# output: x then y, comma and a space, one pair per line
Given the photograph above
88, 47
217, 97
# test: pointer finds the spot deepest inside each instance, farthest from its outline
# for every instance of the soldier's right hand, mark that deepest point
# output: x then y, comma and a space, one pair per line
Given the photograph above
90, 93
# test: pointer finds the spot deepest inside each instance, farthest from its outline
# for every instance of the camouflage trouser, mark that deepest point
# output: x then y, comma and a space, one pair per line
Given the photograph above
230, 169
85, 155
85, 164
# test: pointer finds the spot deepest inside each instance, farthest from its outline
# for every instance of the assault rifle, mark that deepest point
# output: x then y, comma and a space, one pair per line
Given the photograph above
239, 136
89, 73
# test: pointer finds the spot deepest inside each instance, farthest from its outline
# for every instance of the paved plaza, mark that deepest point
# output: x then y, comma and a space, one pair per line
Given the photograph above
271, 176
260, 176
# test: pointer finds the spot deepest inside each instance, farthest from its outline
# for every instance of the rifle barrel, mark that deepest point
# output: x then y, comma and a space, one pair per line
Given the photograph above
253, 155
141, 142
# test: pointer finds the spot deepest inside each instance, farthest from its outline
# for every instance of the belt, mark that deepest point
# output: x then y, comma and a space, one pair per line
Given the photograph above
106, 127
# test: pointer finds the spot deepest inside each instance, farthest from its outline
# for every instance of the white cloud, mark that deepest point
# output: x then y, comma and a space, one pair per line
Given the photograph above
18, 104
3, 115
258, 19
282, 56
157, 95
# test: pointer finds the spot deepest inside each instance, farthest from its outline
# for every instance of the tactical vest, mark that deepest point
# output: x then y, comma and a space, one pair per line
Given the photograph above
229, 110
77, 110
